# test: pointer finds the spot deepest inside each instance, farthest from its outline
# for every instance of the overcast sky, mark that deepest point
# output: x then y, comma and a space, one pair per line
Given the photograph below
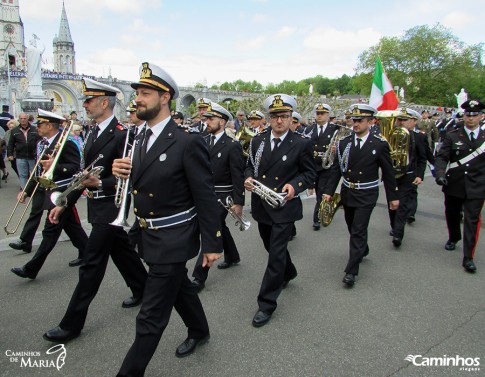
215, 41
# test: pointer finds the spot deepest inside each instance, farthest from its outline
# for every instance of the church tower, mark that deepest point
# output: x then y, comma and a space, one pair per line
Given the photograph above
12, 48
64, 54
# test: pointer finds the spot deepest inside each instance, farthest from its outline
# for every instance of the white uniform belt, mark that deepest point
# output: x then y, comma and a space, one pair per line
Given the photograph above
477, 152
97, 194
226, 188
163, 222
361, 185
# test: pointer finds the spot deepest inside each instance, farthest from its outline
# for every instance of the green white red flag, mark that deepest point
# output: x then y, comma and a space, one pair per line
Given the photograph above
382, 96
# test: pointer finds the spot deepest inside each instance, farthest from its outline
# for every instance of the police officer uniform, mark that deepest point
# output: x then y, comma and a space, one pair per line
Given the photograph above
321, 136
463, 182
107, 139
227, 165
359, 168
289, 162
446, 124
67, 165
405, 177
178, 213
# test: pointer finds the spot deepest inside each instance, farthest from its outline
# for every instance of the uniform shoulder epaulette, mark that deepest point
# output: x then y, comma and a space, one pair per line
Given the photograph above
378, 137
121, 127
189, 130
419, 131
453, 130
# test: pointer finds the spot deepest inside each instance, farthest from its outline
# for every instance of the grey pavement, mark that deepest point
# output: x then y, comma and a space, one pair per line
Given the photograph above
413, 301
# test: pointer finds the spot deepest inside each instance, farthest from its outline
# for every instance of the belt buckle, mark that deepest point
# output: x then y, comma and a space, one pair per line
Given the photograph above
351, 185
90, 195
143, 223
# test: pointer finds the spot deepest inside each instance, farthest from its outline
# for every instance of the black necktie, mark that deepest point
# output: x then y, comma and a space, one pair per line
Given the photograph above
321, 131
212, 142
358, 142
95, 133
472, 137
148, 133
276, 141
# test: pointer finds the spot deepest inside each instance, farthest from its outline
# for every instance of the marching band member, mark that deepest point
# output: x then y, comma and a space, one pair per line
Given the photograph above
282, 161
227, 164
176, 207
107, 139
67, 165
463, 181
360, 155
257, 121
321, 135
202, 106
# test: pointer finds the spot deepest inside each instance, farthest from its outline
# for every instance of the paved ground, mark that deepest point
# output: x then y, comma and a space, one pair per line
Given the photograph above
415, 301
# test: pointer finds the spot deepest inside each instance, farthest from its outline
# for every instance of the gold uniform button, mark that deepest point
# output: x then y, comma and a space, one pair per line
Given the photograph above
275, 178
151, 213
360, 172
135, 192
150, 195
135, 210
264, 177
274, 189
350, 171
299, 184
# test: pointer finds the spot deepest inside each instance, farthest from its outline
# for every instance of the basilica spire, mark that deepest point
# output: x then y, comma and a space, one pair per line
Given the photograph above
64, 31
64, 54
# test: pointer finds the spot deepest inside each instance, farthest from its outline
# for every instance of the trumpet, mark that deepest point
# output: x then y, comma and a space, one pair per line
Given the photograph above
240, 221
274, 199
47, 178
22, 196
123, 187
60, 198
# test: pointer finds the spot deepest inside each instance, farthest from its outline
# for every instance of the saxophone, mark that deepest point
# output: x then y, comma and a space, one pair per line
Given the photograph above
328, 209
329, 155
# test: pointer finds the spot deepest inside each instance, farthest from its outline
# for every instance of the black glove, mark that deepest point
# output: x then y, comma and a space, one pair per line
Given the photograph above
442, 181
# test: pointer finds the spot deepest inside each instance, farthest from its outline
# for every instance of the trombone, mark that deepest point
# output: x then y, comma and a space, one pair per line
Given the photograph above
23, 193
47, 178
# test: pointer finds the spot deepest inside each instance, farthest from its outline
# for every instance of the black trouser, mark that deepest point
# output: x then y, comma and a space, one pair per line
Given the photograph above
104, 240
167, 287
279, 267
35, 215
413, 198
399, 216
70, 223
357, 220
231, 255
472, 209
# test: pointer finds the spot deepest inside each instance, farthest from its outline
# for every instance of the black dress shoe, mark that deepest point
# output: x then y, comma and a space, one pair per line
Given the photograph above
224, 265
396, 241
198, 285
75, 262
469, 265
349, 280
316, 225
23, 273
5, 176
131, 302
261, 318
450, 245
291, 276
60, 335
21, 245
189, 345
410, 219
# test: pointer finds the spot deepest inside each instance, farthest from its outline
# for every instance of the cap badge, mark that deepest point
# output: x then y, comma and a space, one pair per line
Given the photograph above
473, 103
277, 102
320, 107
146, 72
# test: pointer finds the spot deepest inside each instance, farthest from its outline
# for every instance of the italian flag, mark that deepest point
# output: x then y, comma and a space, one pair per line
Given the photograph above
382, 96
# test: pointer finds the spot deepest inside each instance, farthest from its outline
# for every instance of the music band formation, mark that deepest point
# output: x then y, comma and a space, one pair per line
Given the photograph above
184, 181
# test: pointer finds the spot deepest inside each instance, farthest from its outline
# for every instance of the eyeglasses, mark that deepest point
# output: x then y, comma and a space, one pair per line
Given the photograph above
282, 117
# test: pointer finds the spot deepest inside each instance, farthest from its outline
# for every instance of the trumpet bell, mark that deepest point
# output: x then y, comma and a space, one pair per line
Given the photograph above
58, 199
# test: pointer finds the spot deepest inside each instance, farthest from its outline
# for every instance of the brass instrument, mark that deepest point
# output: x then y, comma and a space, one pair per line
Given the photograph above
398, 139
274, 199
329, 156
240, 221
47, 178
327, 209
123, 187
60, 198
22, 195
244, 136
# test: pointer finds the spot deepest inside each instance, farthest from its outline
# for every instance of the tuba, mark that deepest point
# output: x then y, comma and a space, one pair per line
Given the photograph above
274, 199
47, 178
398, 139
244, 136
327, 209
240, 221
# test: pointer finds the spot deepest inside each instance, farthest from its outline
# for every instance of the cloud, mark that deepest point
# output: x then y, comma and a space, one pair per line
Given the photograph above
337, 41
457, 20
259, 18
251, 44
285, 32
